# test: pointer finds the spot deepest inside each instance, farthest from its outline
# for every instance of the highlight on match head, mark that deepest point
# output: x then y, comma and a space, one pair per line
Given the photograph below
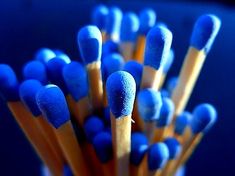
182, 121
147, 18
171, 84
167, 65
44, 55
28, 91
99, 15
121, 90
205, 31
173, 146
53, 105
149, 104
90, 43
158, 44
62, 55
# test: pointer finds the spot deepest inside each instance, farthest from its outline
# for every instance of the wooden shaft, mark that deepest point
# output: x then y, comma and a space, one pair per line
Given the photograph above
108, 168
105, 100
154, 173
159, 134
136, 170
103, 33
149, 128
71, 104
84, 109
127, 50
167, 169
139, 123
32, 132
162, 81
140, 47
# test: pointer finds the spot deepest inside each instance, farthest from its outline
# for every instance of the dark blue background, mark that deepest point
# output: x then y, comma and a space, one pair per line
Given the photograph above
28, 25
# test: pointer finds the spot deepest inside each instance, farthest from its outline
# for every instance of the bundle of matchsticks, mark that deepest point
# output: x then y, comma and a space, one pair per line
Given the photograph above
110, 115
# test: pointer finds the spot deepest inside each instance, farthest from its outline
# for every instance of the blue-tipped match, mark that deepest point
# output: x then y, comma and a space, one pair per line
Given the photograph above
158, 44
149, 104
92, 126
90, 43
182, 121
139, 146
102, 143
121, 89
109, 47
44, 55
135, 69
28, 91
129, 27
8, 83
181, 171
205, 31
162, 24
167, 65
53, 105
173, 146
75, 78
62, 55
35, 70
158, 155
164, 93
204, 116
111, 63
171, 84
99, 16
147, 21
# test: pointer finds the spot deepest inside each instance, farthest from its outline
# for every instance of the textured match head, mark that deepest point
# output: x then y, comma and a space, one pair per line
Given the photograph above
173, 146
182, 121
147, 18
44, 55
99, 15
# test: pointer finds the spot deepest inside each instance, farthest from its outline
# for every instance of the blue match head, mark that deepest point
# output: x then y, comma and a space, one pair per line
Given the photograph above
164, 93
173, 146
121, 90
135, 69
129, 27
109, 47
90, 43
44, 55
28, 91
205, 31
167, 65
147, 19
111, 63
158, 154
102, 143
204, 115
182, 121
35, 70
162, 24
63, 56
166, 113
171, 84
66, 171
75, 78
99, 16
149, 104
92, 126
8, 83
53, 105
139, 146
158, 44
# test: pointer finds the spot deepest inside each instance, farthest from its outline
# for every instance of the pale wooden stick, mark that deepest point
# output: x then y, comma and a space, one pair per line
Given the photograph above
140, 47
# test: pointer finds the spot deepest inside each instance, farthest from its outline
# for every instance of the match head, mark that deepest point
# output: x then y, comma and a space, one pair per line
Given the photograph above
166, 113
75, 78
173, 146
204, 116
99, 15
167, 65
102, 143
121, 90
205, 31
8, 83
28, 91
182, 121
129, 27
35, 70
44, 55
158, 44
62, 55
90, 44
53, 105
147, 19
149, 104
109, 47
164, 93
157, 157
139, 146
172, 83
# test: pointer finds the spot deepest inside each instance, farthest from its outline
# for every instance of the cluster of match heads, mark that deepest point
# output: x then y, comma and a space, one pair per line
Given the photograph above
110, 115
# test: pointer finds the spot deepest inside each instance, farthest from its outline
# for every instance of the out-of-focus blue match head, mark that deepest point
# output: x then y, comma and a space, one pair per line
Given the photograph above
147, 18
44, 55
149, 103
204, 116
102, 143
166, 113
28, 91
52, 103
8, 83
121, 90
92, 126
112, 63
182, 121
35, 70
62, 55
173, 146
99, 16
66, 171
139, 146
129, 27
205, 31
164, 93
109, 47
90, 44
158, 44
167, 65
158, 154
75, 78
171, 84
